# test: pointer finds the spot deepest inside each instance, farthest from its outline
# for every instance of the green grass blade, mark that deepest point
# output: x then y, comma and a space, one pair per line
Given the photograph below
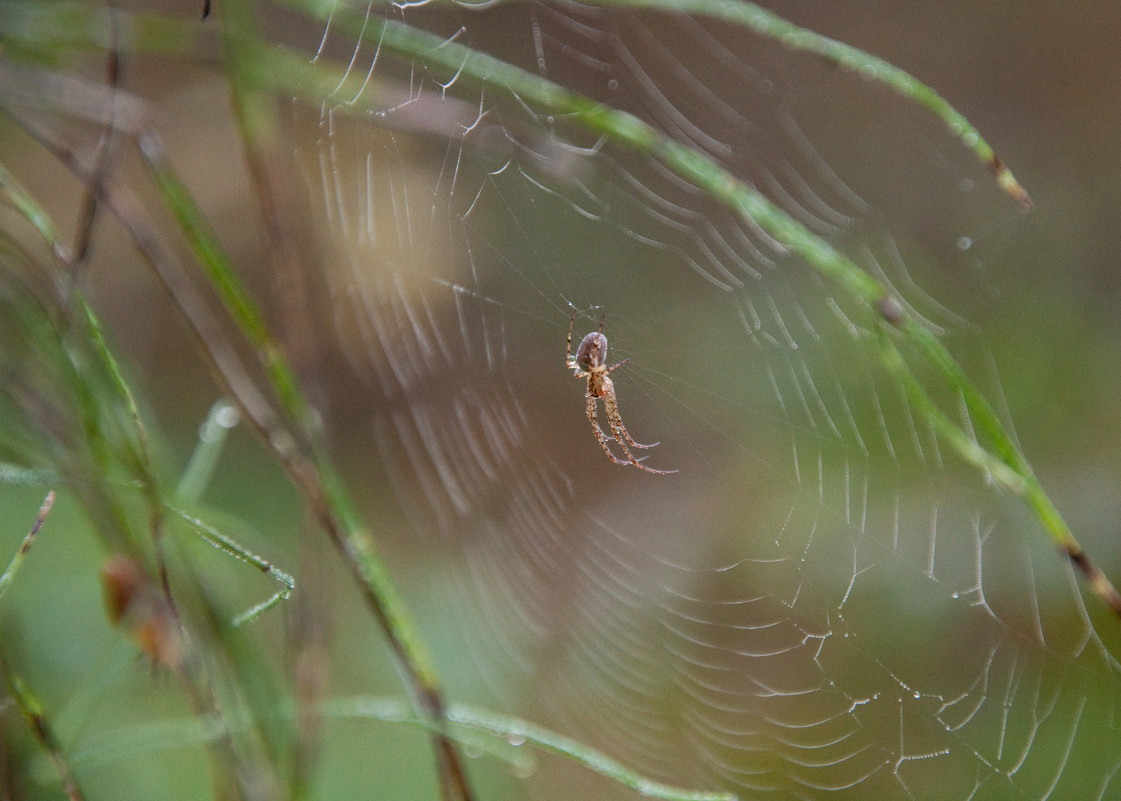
229, 546
25, 546
770, 25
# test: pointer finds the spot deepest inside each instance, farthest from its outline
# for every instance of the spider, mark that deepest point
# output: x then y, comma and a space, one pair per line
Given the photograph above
590, 362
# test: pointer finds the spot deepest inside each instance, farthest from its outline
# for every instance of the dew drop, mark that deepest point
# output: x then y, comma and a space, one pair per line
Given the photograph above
227, 416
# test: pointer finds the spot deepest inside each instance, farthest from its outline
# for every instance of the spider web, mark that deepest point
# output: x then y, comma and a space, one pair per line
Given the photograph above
823, 601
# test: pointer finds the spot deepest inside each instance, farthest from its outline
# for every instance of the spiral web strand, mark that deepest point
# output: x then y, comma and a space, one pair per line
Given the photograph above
823, 601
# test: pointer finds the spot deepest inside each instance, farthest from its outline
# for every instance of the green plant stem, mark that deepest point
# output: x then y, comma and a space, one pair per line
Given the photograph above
22, 201
516, 730
212, 436
28, 541
770, 25
1009, 467
223, 543
314, 475
36, 718
543, 739
140, 740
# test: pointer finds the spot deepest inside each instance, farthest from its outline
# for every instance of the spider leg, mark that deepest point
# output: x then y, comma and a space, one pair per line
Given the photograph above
600, 436
637, 461
619, 431
631, 442
622, 428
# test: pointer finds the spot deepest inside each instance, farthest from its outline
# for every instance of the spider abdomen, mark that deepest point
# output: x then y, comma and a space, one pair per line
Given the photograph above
592, 351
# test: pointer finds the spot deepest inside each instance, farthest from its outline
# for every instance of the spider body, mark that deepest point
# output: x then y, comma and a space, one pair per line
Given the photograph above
590, 362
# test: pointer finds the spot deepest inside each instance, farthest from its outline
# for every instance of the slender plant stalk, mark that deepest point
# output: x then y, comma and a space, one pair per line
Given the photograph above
17, 196
1008, 466
255, 115
41, 729
312, 473
500, 736
770, 25
108, 438
28, 704
551, 742
198, 471
28, 541
223, 543
200, 468
516, 730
